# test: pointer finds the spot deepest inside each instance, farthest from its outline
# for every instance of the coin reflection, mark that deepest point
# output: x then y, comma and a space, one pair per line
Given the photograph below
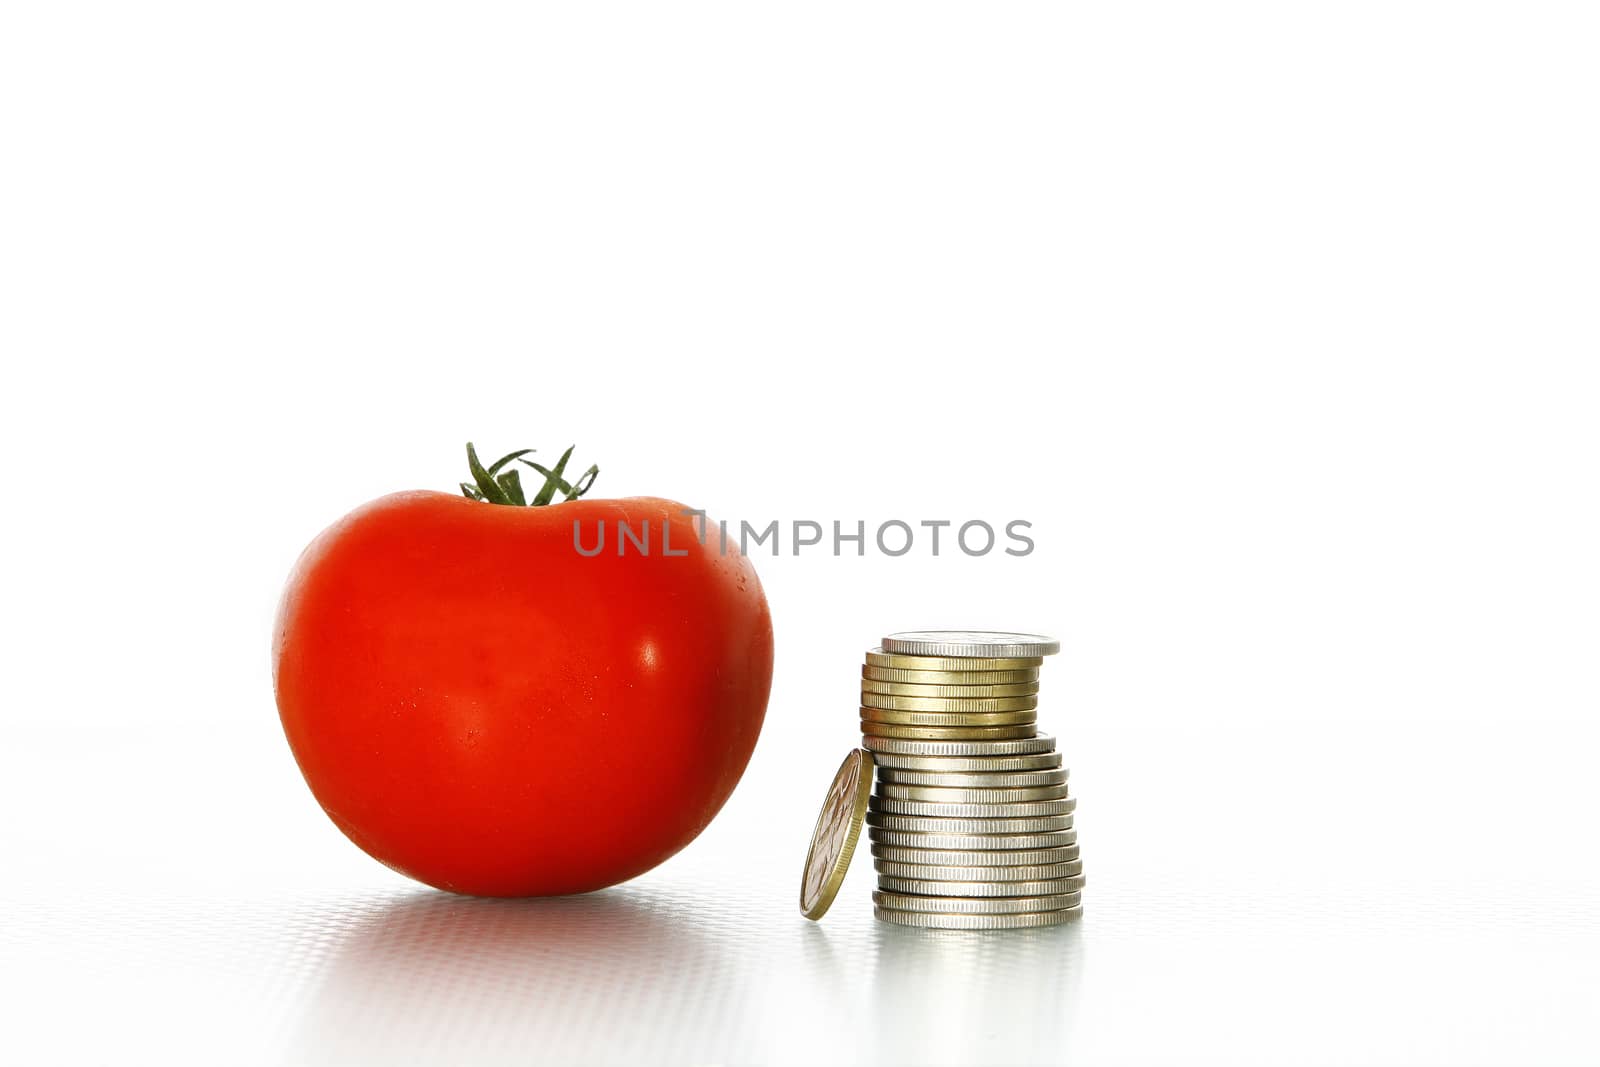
950, 996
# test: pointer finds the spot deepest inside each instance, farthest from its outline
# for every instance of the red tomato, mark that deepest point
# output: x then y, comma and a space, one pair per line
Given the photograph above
483, 708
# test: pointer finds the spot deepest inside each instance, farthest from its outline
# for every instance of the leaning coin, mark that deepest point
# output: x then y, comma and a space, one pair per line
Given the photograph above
936, 921
1001, 844
975, 905
938, 824
963, 678
889, 702
933, 809
1027, 872
938, 795
925, 888
948, 857
833, 840
911, 746
958, 692
946, 733
960, 780
948, 718
879, 658
976, 764
969, 643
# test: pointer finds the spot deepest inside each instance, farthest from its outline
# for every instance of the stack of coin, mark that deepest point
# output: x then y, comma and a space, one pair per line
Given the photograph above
970, 822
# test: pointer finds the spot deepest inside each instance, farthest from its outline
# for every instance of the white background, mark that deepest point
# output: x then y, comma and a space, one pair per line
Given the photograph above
1277, 320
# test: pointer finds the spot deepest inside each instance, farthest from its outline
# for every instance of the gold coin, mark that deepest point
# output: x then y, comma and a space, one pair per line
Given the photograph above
833, 841
896, 731
943, 921
949, 718
958, 692
962, 795
879, 658
893, 703
895, 674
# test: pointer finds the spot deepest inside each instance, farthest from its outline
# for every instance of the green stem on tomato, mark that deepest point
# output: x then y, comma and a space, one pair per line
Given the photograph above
495, 485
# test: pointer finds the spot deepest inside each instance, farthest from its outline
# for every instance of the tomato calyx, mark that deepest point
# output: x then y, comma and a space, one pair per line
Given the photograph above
501, 483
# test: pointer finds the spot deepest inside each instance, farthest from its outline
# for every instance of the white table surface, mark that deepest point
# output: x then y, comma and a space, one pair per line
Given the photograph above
1371, 898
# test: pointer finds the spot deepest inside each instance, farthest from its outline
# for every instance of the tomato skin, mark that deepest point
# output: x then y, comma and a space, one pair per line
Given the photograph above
482, 708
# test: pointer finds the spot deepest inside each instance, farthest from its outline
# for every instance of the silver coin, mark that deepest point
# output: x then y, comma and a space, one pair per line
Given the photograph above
1013, 746
934, 921
897, 674
928, 888
1032, 872
1026, 810
973, 643
967, 842
975, 905
965, 795
974, 764
924, 824
949, 857
959, 780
